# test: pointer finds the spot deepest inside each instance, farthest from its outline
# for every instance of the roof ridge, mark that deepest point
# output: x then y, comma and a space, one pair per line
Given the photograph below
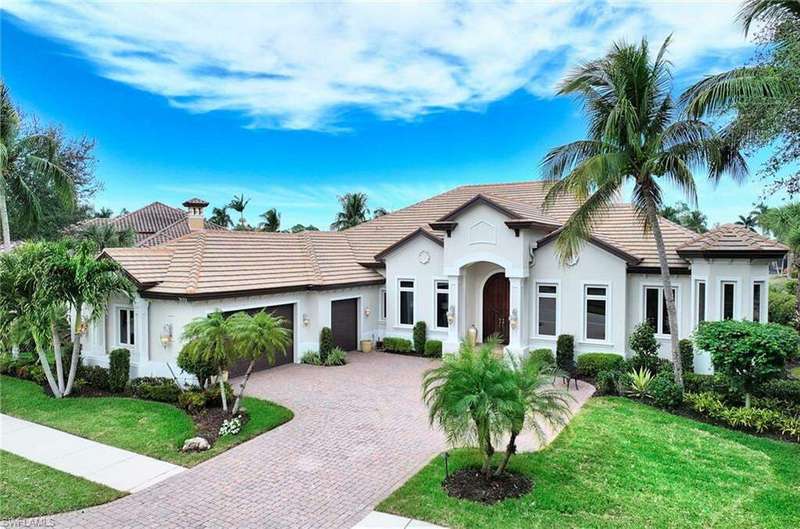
197, 263
159, 232
312, 254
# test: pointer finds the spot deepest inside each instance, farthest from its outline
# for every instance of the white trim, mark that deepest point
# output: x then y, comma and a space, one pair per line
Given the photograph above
547, 282
584, 320
435, 312
454, 268
413, 304
763, 313
737, 297
661, 317
115, 308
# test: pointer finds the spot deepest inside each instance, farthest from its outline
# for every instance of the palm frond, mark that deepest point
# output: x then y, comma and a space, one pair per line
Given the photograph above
768, 11
716, 94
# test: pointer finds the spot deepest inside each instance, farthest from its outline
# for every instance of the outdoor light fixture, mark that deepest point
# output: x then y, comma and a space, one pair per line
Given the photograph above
306, 320
166, 334
367, 312
451, 315
513, 319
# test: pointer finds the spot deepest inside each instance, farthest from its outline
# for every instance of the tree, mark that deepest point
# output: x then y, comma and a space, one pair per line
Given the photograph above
104, 213
682, 214
748, 222
272, 220
784, 223
297, 228
21, 158
634, 137
379, 212
238, 204
354, 211
220, 217
210, 340
258, 336
107, 236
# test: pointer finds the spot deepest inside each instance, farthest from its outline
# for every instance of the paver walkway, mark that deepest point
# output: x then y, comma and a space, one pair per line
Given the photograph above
113, 467
359, 432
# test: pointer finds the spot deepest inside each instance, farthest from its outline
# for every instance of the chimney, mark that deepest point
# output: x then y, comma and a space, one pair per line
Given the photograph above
196, 217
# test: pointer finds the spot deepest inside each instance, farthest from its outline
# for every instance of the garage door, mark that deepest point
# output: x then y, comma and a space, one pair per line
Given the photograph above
287, 313
344, 323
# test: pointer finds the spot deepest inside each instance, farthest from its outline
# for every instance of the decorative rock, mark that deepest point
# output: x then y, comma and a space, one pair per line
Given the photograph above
195, 444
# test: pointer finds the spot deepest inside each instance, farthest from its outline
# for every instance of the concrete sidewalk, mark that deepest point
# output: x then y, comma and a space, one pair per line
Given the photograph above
113, 467
382, 520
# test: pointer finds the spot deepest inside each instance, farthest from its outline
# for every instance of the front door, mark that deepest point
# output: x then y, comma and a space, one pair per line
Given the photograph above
495, 307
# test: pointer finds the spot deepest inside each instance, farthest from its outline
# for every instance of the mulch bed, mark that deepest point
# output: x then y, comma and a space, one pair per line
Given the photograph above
471, 484
209, 420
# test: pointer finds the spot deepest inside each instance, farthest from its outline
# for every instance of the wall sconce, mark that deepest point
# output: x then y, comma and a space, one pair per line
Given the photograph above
367, 312
166, 334
306, 320
513, 319
451, 315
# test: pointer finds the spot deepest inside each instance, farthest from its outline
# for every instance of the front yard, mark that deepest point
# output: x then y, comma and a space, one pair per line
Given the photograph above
620, 464
146, 427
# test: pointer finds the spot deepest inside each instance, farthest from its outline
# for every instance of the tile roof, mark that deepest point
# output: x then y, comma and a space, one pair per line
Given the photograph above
731, 239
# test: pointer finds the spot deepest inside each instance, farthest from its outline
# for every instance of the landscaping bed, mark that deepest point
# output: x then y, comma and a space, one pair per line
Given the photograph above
30, 489
623, 465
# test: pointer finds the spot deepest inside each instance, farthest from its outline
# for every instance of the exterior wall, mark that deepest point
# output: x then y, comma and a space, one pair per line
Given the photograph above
683, 300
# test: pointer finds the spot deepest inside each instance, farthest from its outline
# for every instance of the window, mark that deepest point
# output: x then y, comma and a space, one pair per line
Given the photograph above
442, 292
700, 302
595, 314
125, 325
406, 302
655, 308
382, 311
757, 290
546, 313
728, 293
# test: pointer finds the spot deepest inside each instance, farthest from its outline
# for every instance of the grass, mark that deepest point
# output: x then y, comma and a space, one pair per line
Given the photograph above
151, 428
30, 489
624, 465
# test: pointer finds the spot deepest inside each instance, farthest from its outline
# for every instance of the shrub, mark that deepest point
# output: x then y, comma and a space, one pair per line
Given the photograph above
637, 383
192, 401
643, 340
781, 305
325, 343
543, 356
785, 389
6, 363
747, 353
311, 358
608, 382
118, 369
94, 376
420, 335
665, 392
433, 348
161, 389
337, 357
36, 374
214, 396
753, 419
202, 369
589, 364
565, 352
687, 355
397, 345
231, 426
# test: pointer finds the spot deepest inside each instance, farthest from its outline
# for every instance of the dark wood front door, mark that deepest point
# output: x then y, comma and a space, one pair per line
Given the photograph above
495, 307
344, 323
281, 357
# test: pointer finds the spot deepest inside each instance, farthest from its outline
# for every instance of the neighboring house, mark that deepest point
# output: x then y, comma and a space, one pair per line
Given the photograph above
479, 256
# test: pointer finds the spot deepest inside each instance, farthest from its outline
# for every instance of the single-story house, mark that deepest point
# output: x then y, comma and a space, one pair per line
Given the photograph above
477, 256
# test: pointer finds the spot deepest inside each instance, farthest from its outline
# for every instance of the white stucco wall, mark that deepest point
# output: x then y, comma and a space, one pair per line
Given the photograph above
635, 310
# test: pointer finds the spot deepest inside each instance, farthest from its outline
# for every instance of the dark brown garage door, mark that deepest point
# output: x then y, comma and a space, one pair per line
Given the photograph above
344, 323
287, 313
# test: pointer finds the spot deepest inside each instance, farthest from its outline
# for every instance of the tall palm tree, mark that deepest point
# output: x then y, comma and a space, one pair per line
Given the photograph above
210, 340
768, 11
695, 220
748, 222
21, 157
634, 137
238, 204
272, 220
354, 211
107, 236
104, 213
220, 217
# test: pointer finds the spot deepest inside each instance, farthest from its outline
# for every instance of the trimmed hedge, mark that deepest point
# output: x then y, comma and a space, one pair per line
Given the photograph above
433, 348
326, 344
420, 335
783, 389
565, 352
543, 356
590, 364
665, 392
192, 401
95, 376
160, 389
687, 355
396, 345
119, 369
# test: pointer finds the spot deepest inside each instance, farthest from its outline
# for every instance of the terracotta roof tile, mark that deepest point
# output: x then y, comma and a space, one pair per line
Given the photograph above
731, 238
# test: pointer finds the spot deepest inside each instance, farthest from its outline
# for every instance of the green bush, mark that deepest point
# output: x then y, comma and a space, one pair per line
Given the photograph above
643, 340
311, 358
785, 389
325, 343
589, 364
637, 383
397, 345
201, 369
214, 396
160, 389
565, 352
747, 353
433, 348
665, 392
6, 363
36, 374
337, 357
119, 367
192, 401
608, 382
686, 348
750, 419
420, 336
94, 376
543, 356
781, 305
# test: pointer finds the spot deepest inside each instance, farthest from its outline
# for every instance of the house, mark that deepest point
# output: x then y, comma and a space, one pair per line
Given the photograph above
476, 256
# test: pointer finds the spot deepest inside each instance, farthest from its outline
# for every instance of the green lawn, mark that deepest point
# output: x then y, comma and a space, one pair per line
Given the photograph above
30, 489
150, 428
620, 464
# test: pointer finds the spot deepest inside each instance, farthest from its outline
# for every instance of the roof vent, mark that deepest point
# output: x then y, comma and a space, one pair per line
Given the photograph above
196, 218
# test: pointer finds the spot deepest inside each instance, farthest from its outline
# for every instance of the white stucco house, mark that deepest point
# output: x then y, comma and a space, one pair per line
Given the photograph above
477, 256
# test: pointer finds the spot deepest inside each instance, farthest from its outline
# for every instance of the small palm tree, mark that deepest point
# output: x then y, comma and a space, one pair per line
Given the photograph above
634, 137
238, 204
211, 340
104, 213
107, 236
20, 157
272, 220
220, 217
748, 222
695, 220
354, 211
258, 336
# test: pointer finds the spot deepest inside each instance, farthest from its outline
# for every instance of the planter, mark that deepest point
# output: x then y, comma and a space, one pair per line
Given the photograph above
366, 346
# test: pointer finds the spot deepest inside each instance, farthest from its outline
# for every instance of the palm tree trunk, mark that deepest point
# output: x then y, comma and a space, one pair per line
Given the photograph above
4, 220
222, 393
511, 449
76, 350
57, 354
672, 313
48, 373
238, 401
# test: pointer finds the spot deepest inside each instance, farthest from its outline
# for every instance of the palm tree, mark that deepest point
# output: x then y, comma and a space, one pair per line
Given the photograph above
20, 157
634, 137
238, 204
272, 220
748, 222
784, 223
260, 335
103, 213
210, 340
379, 212
768, 11
220, 217
107, 236
354, 211
297, 228
695, 220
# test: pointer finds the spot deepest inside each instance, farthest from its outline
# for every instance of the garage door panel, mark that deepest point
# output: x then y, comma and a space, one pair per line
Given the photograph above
344, 323
286, 357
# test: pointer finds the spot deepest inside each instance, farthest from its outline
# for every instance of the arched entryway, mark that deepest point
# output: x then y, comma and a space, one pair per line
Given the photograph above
495, 307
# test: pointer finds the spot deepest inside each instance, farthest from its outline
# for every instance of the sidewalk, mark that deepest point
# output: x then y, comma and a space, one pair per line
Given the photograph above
113, 467
382, 520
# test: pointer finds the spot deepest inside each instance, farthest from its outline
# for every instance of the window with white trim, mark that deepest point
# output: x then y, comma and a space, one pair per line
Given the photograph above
406, 301
655, 308
442, 298
595, 315
125, 327
382, 308
546, 309
758, 292
700, 301
727, 297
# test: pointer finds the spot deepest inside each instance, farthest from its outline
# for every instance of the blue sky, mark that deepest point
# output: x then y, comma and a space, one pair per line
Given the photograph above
294, 105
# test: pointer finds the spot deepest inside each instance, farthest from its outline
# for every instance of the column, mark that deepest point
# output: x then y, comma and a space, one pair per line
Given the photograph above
517, 316
141, 309
453, 331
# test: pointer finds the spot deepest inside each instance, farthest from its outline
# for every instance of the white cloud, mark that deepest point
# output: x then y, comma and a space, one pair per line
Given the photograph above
304, 65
